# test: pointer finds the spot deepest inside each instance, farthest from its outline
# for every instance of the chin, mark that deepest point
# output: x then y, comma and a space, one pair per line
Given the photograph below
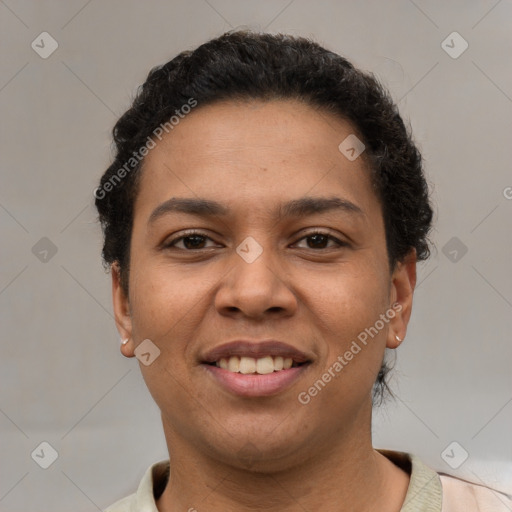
267, 450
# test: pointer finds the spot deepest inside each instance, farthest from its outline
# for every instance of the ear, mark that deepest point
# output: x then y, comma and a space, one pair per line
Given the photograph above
122, 312
403, 281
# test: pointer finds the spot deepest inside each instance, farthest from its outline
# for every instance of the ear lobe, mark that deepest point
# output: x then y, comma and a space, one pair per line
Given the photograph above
403, 282
122, 312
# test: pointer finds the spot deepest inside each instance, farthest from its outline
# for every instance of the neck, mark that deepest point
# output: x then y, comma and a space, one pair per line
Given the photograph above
348, 476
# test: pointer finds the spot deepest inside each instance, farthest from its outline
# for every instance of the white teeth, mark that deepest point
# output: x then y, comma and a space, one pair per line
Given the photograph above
233, 364
248, 365
265, 365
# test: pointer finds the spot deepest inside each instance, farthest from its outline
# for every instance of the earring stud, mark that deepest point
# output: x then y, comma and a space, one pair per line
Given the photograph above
398, 339
124, 342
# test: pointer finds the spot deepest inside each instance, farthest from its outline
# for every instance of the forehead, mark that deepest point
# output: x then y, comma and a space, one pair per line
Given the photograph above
253, 155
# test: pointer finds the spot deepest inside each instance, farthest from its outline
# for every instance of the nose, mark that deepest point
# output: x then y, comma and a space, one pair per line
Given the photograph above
256, 289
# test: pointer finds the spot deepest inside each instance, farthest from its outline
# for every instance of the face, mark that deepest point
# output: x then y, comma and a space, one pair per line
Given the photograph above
250, 225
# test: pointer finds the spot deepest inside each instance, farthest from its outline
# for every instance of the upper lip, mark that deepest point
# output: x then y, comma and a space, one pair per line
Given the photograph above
255, 349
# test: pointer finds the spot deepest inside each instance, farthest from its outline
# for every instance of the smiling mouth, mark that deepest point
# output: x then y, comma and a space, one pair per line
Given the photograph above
259, 366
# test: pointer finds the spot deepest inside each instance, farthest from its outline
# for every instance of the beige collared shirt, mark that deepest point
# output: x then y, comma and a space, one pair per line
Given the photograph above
428, 491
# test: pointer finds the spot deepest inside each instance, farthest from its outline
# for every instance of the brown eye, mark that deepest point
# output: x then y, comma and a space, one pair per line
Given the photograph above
319, 240
189, 242
193, 242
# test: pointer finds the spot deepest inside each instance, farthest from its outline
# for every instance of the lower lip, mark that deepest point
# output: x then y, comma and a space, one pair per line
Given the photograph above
253, 384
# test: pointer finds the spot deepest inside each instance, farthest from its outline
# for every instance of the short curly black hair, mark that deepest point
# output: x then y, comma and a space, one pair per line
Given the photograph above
245, 65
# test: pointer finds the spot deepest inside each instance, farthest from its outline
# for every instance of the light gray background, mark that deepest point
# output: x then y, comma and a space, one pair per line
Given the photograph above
63, 379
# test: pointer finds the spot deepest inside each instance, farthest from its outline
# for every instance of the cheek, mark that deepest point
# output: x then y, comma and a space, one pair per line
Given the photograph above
166, 305
348, 308
350, 297
164, 298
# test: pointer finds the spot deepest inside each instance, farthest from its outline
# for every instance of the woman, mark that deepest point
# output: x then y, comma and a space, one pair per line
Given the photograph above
263, 218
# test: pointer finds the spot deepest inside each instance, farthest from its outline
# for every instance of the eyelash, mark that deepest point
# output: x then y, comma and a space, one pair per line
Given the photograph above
171, 243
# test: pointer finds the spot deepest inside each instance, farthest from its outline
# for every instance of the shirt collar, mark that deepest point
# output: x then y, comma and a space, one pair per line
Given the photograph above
424, 493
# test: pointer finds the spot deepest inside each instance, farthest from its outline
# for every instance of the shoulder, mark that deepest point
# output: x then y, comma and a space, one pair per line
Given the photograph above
433, 491
463, 496
123, 505
150, 488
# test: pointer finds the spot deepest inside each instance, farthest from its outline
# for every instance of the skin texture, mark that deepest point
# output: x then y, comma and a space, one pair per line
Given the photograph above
264, 453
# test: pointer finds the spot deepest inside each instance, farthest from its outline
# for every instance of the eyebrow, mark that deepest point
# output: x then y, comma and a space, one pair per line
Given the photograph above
296, 208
